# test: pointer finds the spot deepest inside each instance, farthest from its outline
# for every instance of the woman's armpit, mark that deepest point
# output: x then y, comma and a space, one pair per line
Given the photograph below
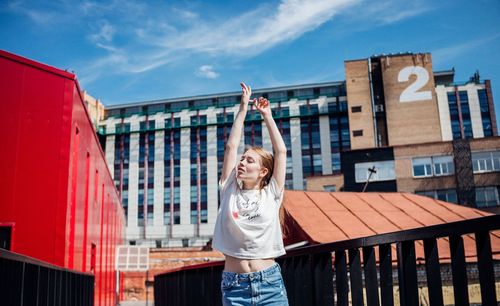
275, 190
231, 177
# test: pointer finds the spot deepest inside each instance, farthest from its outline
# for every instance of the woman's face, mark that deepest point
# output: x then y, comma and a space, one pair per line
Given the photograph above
250, 167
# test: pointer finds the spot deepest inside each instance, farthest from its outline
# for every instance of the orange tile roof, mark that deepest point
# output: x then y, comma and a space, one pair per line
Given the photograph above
323, 217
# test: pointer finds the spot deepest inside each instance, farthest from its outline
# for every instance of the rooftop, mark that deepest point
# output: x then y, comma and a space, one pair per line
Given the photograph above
323, 217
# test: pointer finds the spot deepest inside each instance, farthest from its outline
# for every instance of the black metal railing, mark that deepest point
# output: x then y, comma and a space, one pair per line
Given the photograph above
26, 281
313, 278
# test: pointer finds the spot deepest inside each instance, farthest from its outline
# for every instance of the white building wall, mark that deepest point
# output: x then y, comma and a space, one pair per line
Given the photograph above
185, 183
132, 230
326, 151
212, 184
475, 111
158, 230
444, 113
324, 129
298, 183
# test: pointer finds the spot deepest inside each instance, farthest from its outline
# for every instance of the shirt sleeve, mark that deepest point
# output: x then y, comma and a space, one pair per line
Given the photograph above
229, 180
275, 191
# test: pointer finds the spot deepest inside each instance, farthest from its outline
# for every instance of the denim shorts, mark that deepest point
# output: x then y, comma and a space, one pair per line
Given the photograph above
264, 287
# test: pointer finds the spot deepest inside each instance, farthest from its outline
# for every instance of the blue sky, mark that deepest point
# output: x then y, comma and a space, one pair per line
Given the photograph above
128, 51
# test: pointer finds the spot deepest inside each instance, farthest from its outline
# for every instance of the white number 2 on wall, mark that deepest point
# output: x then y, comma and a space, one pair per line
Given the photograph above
411, 94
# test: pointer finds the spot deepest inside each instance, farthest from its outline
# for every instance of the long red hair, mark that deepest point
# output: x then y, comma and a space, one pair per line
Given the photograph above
267, 161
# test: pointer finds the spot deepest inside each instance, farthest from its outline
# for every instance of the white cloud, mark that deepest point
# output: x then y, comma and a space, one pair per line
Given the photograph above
93, 71
162, 36
256, 31
367, 15
206, 71
391, 11
185, 14
38, 16
244, 35
105, 34
447, 54
89, 7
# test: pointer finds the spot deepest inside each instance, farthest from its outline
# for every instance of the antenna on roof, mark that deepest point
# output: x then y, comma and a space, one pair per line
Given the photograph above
372, 170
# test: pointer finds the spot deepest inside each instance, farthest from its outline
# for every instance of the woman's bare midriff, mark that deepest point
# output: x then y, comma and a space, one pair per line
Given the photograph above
239, 265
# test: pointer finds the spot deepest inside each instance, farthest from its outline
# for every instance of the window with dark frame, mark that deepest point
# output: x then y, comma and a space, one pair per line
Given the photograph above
357, 133
356, 109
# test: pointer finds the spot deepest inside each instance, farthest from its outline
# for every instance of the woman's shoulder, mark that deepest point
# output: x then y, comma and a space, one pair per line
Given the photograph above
229, 180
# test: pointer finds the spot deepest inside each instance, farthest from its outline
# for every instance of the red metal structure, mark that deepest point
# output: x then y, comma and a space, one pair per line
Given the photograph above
58, 202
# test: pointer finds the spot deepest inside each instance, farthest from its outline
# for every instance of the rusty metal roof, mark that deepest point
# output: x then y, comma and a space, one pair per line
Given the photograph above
322, 217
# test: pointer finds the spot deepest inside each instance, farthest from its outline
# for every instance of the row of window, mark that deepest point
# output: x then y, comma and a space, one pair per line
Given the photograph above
339, 132
334, 108
145, 194
444, 165
433, 166
426, 167
311, 142
485, 196
277, 96
485, 112
460, 115
172, 173
198, 159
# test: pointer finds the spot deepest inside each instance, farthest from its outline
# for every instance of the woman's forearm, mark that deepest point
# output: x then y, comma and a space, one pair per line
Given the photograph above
235, 134
276, 138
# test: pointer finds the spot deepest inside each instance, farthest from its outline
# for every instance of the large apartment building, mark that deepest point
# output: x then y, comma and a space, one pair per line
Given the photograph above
166, 155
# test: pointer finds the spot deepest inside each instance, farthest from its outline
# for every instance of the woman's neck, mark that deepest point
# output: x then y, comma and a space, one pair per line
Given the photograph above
251, 186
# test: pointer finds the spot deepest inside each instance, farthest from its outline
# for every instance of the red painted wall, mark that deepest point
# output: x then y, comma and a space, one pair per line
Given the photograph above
55, 188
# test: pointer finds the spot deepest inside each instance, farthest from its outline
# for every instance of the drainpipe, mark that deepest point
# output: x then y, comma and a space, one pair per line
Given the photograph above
375, 131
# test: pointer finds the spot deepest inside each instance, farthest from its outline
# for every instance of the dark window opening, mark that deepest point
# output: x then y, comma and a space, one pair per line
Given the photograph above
357, 133
92, 257
5, 237
356, 109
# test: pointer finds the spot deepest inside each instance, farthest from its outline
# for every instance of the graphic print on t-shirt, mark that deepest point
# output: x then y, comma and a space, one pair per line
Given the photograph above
247, 205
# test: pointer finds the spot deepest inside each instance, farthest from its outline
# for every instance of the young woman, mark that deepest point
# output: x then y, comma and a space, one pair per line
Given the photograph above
248, 229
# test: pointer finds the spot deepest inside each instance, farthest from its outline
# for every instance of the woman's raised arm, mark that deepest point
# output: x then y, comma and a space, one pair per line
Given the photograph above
279, 148
231, 149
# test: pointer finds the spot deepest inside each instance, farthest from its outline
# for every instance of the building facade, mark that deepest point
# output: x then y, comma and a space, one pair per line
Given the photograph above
436, 138
164, 154
465, 171
58, 201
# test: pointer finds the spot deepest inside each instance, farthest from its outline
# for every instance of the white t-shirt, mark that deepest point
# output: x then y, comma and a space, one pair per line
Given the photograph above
248, 224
